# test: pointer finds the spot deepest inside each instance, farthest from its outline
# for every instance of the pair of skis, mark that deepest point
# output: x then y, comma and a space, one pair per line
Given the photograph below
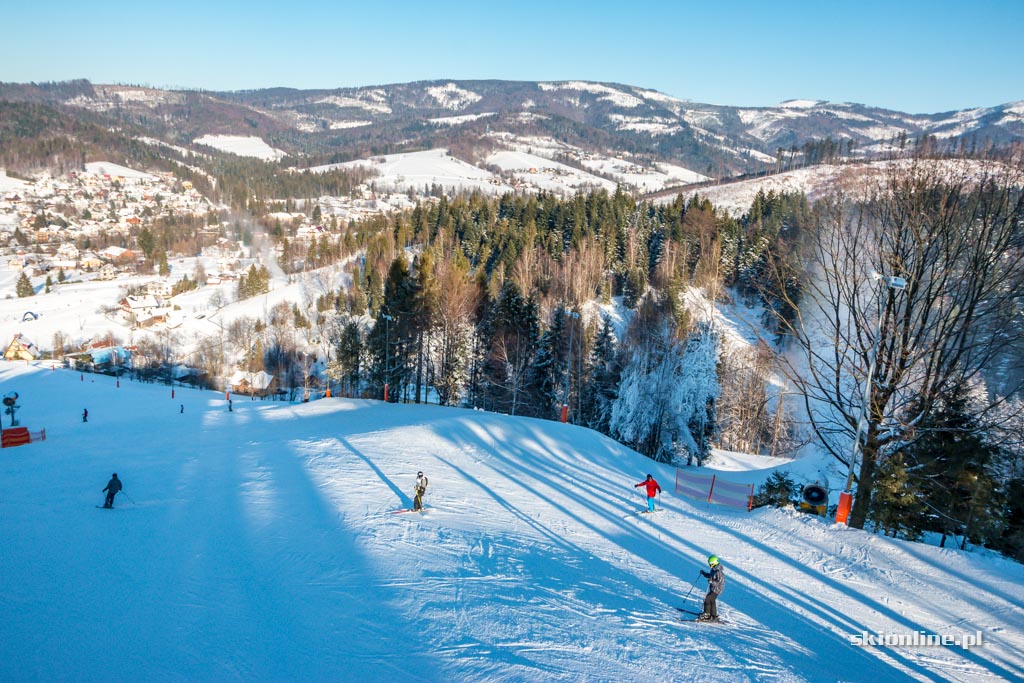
404, 510
696, 618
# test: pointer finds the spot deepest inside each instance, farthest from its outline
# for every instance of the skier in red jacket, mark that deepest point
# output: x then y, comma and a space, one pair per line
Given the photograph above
653, 489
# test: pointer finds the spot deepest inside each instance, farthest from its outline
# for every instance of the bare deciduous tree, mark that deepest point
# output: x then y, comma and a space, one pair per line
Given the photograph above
951, 232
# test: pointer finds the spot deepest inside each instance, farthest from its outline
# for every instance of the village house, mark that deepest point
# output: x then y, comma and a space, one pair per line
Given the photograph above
160, 288
143, 311
118, 255
307, 232
259, 383
68, 251
21, 348
89, 261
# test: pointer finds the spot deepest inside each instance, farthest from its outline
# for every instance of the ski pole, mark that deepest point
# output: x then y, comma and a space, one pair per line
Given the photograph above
129, 498
693, 584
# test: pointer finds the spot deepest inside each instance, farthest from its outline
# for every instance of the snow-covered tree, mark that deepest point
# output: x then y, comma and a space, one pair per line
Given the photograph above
510, 336
668, 390
602, 380
348, 351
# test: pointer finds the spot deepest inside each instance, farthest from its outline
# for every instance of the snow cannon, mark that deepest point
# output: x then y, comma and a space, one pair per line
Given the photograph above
10, 399
814, 499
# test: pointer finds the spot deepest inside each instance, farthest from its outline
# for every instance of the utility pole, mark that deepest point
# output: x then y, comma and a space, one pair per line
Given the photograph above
387, 353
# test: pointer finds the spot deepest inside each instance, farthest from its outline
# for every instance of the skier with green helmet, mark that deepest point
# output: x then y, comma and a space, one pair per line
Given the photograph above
716, 583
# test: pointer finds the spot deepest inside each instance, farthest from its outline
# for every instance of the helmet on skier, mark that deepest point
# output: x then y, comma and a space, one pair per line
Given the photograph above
419, 474
713, 560
650, 477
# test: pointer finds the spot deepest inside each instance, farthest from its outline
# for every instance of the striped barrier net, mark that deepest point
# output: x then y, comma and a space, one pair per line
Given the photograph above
714, 489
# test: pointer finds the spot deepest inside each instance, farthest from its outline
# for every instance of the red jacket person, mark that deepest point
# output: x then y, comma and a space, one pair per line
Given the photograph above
653, 489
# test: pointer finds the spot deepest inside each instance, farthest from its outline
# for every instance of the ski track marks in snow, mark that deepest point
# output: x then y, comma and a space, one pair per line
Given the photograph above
262, 547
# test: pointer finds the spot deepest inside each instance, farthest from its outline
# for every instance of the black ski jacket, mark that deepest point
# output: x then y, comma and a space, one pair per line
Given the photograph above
716, 579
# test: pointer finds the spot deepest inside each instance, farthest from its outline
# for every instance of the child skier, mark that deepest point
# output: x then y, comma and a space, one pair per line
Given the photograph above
653, 489
716, 583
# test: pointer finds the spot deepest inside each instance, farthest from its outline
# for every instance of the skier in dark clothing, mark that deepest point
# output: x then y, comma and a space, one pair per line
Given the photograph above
85, 415
111, 489
653, 489
420, 487
716, 583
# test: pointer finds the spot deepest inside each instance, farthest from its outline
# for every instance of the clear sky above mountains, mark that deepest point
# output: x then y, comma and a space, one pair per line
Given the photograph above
917, 56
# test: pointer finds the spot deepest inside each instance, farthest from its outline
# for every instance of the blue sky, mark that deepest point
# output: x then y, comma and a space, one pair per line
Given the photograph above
918, 56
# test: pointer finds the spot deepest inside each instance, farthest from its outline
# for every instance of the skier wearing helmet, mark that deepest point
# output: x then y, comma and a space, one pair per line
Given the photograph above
420, 487
653, 489
716, 583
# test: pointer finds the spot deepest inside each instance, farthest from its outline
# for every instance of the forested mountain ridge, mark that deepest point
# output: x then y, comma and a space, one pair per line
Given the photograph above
329, 125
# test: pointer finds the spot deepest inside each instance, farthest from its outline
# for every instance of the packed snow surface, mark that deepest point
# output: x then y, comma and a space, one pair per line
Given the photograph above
242, 145
419, 170
261, 544
9, 184
107, 168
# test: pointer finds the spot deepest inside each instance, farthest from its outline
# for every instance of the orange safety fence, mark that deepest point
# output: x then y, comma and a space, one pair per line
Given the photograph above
19, 436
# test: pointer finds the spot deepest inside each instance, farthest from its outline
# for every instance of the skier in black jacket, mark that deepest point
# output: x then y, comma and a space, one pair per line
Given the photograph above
716, 584
111, 489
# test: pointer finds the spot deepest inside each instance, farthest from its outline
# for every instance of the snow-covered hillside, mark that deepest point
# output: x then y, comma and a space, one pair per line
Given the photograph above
80, 309
419, 170
817, 181
9, 184
242, 145
259, 544
529, 162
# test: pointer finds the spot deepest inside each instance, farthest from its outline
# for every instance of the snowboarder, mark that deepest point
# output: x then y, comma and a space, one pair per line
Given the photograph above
716, 583
85, 415
111, 489
182, 408
420, 488
653, 489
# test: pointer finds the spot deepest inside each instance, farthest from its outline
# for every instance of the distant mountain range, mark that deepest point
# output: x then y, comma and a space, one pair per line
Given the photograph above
325, 126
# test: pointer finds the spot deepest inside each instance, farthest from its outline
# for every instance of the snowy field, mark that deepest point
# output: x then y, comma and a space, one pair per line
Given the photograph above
525, 161
260, 544
419, 170
241, 145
